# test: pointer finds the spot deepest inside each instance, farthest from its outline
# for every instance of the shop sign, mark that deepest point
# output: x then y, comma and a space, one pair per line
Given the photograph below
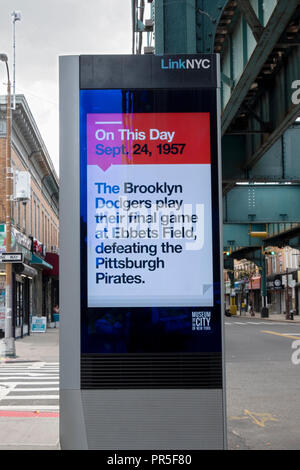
17, 238
39, 325
2, 237
275, 284
239, 286
227, 287
21, 239
39, 248
254, 283
2, 310
291, 281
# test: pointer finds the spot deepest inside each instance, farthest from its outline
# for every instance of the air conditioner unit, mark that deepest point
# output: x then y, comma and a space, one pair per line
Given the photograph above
148, 50
54, 248
149, 25
22, 186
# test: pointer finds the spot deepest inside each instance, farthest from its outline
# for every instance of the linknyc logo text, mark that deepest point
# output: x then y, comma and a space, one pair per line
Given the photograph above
185, 64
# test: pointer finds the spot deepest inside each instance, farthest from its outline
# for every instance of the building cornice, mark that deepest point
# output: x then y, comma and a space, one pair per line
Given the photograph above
25, 127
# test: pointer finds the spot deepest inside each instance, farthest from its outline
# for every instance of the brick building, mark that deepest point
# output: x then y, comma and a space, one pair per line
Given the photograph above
35, 221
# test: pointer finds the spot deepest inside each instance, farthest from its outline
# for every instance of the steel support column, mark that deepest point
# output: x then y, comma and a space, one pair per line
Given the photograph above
175, 27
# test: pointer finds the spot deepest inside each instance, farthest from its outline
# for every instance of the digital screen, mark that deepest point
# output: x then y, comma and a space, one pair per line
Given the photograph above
149, 232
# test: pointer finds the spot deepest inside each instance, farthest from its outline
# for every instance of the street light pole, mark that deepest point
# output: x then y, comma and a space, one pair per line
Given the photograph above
16, 15
9, 342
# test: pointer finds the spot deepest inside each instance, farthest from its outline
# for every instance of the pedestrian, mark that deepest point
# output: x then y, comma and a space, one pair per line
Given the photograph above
55, 314
251, 310
56, 309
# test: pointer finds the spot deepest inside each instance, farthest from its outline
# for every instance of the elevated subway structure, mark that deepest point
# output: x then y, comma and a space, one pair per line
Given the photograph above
258, 42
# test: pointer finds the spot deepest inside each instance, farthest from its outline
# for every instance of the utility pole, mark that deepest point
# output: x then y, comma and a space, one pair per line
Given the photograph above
287, 300
9, 342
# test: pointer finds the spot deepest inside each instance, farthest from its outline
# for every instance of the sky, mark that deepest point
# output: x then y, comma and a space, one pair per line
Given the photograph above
48, 29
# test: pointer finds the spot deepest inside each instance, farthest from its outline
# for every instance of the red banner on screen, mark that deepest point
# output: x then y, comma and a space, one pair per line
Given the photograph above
148, 139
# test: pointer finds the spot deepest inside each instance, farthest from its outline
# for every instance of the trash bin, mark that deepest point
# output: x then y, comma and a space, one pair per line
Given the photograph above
264, 312
233, 309
56, 317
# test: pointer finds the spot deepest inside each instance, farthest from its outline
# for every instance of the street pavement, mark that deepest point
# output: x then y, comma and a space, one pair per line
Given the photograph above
262, 383
29, 394
262, 387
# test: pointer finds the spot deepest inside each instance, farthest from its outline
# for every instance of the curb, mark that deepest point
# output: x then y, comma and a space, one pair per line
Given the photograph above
284, 320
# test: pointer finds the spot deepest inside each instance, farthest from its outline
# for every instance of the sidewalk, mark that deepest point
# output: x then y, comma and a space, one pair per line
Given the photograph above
38, 347
21, 430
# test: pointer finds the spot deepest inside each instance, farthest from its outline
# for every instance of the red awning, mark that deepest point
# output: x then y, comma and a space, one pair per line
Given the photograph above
53, 259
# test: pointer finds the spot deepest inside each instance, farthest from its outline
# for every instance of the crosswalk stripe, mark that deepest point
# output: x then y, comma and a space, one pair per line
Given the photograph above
31, 374
40, 389
28, 407
28, 386
30, 397
13, 377
29, 383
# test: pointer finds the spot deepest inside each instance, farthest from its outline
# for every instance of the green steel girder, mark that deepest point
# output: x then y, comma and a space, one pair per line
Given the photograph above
279, 163
254, 147
272, 110
251, 18
228, 263
233, 158
271, 34
262, 204
276, 103
208, 15
189, 26
237, 235
250, 253
289, 237
175, 27
186, 26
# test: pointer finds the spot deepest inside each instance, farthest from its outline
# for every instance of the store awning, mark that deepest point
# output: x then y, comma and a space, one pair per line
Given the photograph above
40, 263
53, 259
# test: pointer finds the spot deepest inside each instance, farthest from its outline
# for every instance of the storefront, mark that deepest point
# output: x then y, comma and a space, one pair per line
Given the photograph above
22, 279
241, 289
276, 294
51, 280
297, 293
23, 276
227, 293
254, 293
42, 299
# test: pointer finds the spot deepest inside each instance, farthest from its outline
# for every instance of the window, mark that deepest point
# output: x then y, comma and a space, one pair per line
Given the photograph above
34, 220
24, 217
